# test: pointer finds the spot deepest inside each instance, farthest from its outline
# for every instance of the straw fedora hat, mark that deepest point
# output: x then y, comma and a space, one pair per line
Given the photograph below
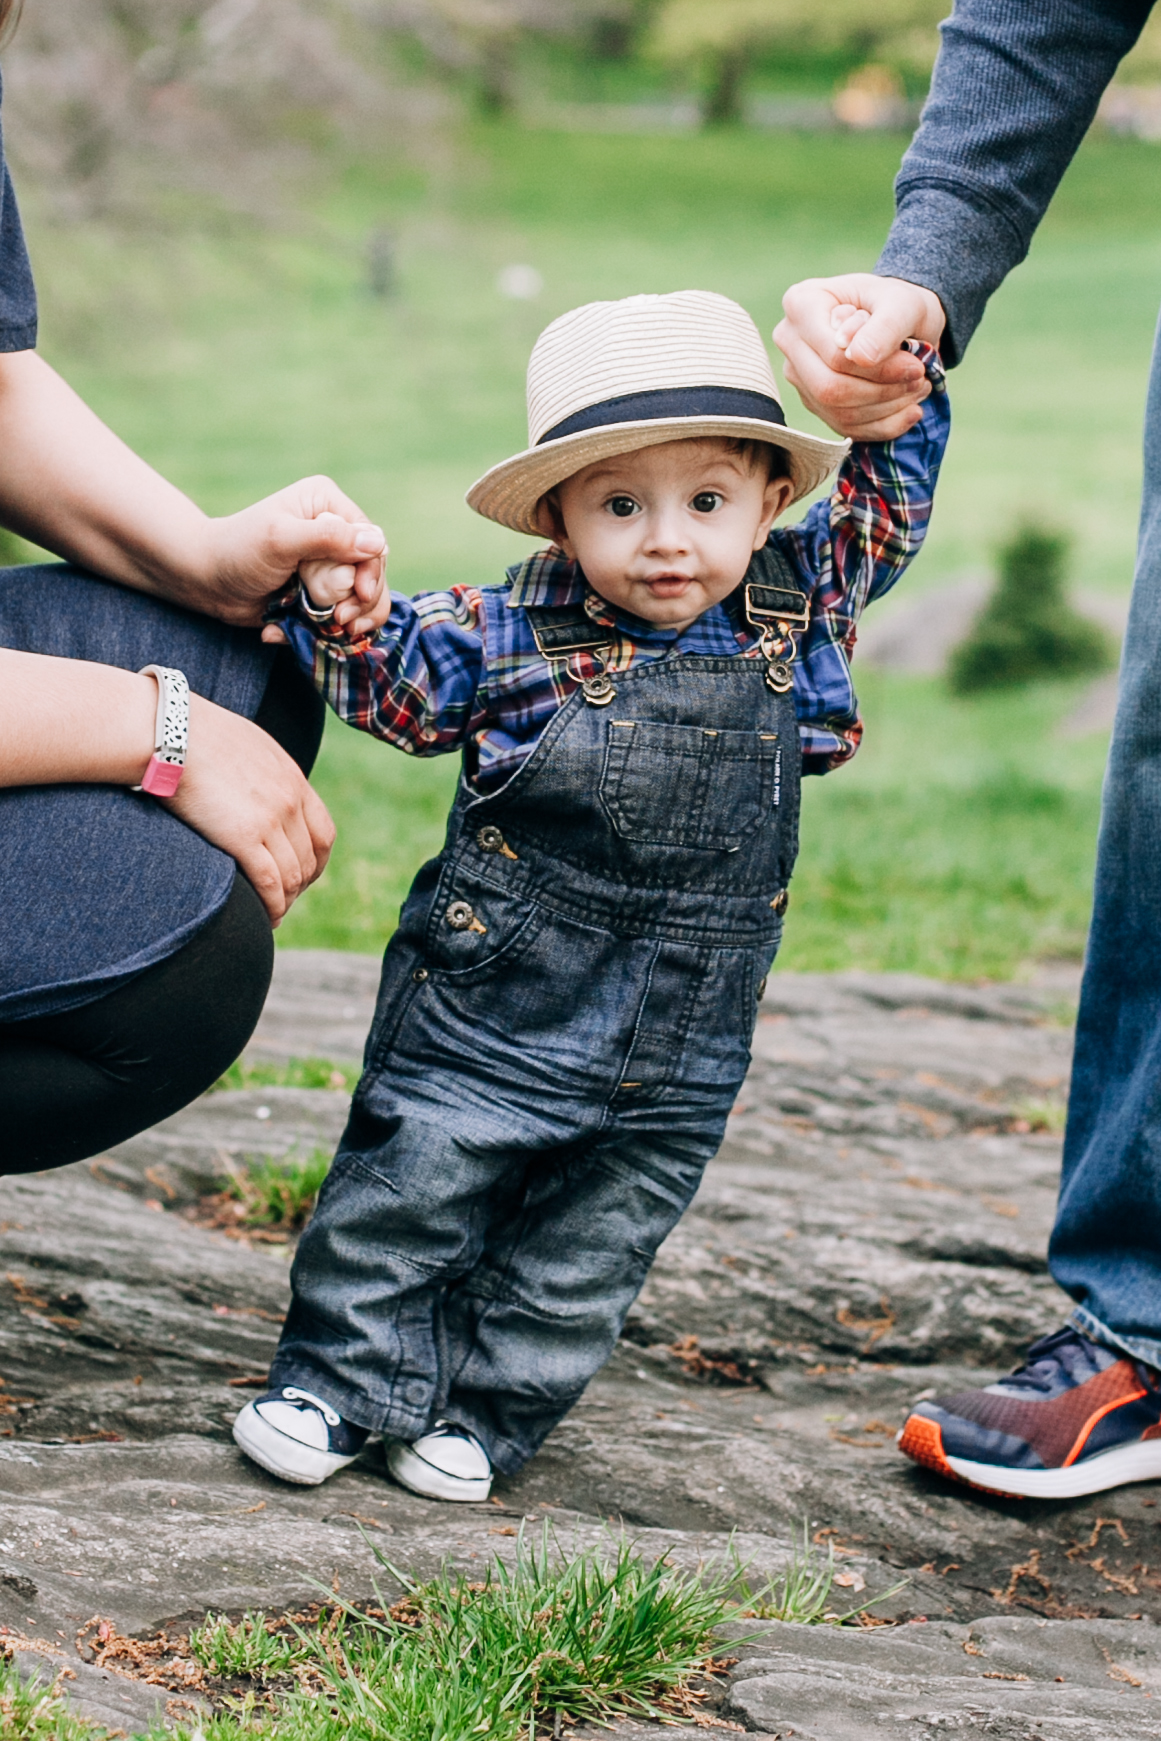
613, 377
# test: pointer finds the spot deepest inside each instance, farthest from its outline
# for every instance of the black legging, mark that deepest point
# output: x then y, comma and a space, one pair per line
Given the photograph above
72, 1085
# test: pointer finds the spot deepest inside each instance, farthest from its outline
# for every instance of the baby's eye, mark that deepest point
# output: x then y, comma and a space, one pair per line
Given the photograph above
621, 506
706, 501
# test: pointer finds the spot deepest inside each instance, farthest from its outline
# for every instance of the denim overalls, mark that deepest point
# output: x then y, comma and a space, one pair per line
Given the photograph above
563, 1025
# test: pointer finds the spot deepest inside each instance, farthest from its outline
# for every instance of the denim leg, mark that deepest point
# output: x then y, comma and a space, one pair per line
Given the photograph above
397, 1220
1106, 1246
541, 1311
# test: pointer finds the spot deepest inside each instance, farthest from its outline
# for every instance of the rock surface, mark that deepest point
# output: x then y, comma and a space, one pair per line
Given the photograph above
873, 1230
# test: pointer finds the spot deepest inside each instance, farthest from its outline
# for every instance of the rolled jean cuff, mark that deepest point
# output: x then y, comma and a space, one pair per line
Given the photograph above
1136, 1347
388, 1419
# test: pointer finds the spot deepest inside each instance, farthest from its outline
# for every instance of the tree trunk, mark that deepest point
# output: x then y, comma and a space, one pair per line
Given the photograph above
723, 102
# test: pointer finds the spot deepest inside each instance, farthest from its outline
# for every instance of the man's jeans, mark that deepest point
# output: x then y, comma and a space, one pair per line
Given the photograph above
1106, 1246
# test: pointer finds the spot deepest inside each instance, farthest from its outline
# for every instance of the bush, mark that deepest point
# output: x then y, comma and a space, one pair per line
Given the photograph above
1028, 629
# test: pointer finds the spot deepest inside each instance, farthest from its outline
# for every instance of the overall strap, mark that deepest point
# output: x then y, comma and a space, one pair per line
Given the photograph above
563, 631
775, 604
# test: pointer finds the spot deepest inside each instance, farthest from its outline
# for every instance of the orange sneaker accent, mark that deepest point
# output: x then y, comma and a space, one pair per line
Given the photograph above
1115, 1402
922, 1440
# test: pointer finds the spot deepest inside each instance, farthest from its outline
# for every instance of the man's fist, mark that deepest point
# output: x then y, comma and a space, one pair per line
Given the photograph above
841, 339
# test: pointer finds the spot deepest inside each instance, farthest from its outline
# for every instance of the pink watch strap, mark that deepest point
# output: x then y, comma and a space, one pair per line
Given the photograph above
160, 778
171, 732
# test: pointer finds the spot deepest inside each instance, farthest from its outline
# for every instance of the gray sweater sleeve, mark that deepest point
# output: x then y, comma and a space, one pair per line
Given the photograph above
1015, 87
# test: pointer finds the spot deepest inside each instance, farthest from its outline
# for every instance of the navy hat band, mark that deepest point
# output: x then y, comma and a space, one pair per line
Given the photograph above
670, 402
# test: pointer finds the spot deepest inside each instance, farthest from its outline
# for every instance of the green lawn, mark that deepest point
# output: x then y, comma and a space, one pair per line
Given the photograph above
961, 840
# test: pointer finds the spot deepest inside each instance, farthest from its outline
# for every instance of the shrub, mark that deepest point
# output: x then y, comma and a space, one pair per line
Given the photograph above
1028, 629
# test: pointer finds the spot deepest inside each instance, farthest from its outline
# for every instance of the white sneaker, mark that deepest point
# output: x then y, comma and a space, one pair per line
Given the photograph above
447, 1463
295, 1435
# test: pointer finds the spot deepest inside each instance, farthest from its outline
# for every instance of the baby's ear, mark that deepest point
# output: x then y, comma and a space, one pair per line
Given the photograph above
548, 517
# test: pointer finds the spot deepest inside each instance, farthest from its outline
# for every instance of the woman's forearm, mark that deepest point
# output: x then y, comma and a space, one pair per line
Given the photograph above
64, 720
70, 484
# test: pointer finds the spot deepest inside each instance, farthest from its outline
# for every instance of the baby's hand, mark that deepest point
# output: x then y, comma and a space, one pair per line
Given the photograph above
358, 593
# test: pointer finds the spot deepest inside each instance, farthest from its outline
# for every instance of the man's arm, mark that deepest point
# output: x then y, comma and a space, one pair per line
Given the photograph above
1014, 90
70, 484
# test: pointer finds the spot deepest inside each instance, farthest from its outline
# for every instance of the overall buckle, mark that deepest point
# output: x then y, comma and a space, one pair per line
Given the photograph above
778, 613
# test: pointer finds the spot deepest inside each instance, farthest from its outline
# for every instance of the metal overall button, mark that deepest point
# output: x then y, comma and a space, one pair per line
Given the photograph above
781, 901
489, 839
461, 917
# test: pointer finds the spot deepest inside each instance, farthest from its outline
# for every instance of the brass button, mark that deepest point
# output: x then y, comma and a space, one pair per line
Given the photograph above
459, 915
489, 839
781, 901
421, 976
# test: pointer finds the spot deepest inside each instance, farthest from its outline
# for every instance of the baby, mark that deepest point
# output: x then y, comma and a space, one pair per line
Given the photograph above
566, 1009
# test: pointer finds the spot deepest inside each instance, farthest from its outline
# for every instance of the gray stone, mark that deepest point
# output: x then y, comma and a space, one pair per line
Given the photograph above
872, 1231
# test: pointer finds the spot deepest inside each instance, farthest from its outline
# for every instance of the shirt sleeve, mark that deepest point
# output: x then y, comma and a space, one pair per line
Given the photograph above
851, 549
1015, 88
17, 293
417, 684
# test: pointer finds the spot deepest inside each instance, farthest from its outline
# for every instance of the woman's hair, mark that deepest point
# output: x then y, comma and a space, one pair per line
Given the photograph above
9, 13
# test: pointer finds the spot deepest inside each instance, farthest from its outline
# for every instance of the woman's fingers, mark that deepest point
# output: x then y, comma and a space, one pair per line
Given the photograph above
245, 795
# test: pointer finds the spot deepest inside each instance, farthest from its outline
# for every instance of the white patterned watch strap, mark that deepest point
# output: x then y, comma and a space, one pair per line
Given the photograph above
171, 732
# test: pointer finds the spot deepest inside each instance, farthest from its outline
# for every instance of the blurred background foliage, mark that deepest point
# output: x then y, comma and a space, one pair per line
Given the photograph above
282, 236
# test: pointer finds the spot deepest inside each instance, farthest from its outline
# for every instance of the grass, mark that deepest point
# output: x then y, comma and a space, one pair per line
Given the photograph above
295, 1073
35, 1711
236, 359
546, 1639
275, 1193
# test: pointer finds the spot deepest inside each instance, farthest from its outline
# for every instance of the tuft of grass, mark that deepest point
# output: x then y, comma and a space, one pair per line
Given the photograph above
252, 1646
1040, 1115
550, 1638
35, 1711
277, 1193
295, 1073
802, 1594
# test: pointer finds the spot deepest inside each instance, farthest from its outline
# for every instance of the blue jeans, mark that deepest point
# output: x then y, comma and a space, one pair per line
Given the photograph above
1106, 1245
563, 1025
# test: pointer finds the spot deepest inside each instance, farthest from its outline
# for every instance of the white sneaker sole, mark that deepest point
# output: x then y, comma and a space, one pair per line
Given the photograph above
419, 1476
282, 1456
1120, 1467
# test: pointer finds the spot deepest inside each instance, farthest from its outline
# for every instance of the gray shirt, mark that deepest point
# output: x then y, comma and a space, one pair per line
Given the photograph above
17, 295
1014, 91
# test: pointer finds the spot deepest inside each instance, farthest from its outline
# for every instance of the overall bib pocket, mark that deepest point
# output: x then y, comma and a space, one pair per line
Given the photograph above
689, 785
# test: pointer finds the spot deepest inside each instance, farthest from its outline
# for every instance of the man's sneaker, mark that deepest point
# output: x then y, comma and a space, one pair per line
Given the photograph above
297, 1436
1075, 1418
447, 1463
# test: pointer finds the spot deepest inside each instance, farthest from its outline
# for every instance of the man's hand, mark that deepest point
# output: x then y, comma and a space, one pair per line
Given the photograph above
244, 794
256, 553
841, 339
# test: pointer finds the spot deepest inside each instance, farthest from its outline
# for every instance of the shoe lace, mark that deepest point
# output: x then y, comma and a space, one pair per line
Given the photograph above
1066, 1351
292, 1394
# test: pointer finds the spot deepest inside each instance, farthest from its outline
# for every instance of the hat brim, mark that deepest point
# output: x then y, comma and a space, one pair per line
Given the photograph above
511, 491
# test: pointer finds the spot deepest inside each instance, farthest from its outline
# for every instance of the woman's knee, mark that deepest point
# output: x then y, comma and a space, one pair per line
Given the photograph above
92, 1077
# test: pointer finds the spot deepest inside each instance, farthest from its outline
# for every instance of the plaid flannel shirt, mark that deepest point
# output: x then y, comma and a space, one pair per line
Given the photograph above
460, 670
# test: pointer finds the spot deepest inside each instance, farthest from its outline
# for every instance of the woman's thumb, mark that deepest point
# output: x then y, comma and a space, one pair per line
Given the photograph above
330, 538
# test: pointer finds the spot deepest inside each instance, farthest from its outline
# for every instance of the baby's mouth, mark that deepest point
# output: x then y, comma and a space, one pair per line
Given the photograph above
668, 585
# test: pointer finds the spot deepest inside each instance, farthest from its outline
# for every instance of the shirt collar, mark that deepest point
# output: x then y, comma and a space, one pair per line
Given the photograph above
549, 577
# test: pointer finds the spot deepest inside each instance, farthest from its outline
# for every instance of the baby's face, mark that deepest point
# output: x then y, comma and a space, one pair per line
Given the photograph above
668, 531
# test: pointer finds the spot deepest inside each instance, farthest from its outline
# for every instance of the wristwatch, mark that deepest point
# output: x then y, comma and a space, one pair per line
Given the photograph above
171, 732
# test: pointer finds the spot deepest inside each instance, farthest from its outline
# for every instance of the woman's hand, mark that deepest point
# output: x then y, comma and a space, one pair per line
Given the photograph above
841, 339
253, 555
243, 793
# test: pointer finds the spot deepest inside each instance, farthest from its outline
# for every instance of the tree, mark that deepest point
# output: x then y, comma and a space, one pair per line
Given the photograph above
722, 37
1028, 629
